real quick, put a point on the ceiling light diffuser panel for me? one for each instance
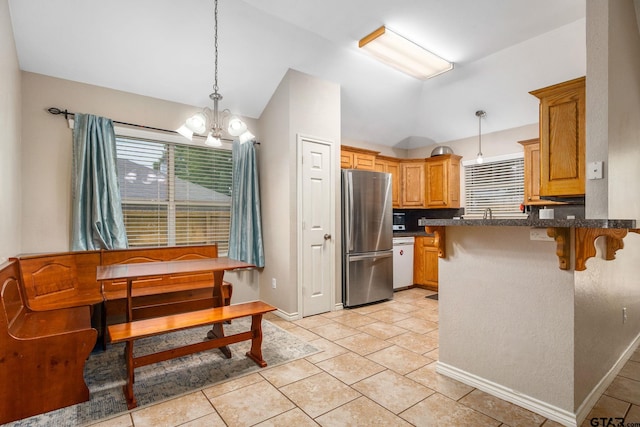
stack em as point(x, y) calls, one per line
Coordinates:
point(403, 54)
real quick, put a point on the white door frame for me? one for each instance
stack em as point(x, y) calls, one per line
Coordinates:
point(332, 208)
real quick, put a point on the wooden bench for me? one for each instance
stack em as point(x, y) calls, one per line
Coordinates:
point(131, 331)
point(42, 354)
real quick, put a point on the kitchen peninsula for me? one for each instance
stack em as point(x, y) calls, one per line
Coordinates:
point(518, 327)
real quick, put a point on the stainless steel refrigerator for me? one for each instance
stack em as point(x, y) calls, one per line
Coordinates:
point(367, 233)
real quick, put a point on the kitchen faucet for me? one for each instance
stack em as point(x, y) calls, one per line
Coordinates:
point(487, 210)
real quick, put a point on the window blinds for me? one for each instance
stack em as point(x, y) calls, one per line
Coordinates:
point(497, 184)
point(174, 194)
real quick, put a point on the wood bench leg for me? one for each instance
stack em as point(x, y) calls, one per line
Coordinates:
point(217, 332)
point(256, 342)
point(128, 387)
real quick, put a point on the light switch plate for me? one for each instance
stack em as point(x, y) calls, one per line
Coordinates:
point(594, 170)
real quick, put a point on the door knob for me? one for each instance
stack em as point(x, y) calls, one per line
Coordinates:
point(327, 236)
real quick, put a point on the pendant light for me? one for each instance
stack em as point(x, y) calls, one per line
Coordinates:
point(212, 120)
point(480, 114)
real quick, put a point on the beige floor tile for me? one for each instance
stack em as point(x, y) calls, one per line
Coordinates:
point(334, 331)
point(434, 334)
point(361, 412)
point(350, 367)
point(415, 342)
point(389, 316)
point(366, 309)
point(334, 314)
point(428, 377)
point(232, 385)
point(290, 372)
point(427, 303)
point(551, 423)
point(633, 416)
point(382, 330)
point(636, 356)
point(403, 307)
point(294, 417)
point(393, 391)
point(319, 394)
point(327, 348)
point(434, 354)
point(312, 322)
point(173, 412)
point(438, 410)
point(362, 343)
point(354, 320)
point(426, 314)
point(625, 389)
point(211, 420)
point(501, 410)
point(631, 370)
point(607, 407)
point(399, 359)
point(243, 407)
point(120, 421)
point(419, 326)
point(304, 334)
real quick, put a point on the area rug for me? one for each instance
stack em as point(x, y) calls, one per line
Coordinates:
point(105, 372)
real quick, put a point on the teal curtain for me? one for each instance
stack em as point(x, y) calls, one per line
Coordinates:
point(98, 222)
point(245, 238)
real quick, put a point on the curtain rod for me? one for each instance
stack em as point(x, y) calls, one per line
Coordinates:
point(57, 111)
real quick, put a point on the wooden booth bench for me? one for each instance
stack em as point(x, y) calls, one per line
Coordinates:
point(42, 353)
point(64, 280)
point(131, 331)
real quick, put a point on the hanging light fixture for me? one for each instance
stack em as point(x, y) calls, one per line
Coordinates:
point(480, 114)
point(212, 120)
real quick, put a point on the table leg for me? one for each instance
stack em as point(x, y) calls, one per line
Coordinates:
point(129, 300)
point(256, 342)
point(128, 387)
point(216, 330)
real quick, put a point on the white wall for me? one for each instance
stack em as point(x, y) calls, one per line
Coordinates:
point(506, 312)
point(46, 156)
point(10, 180)
point(302, 104)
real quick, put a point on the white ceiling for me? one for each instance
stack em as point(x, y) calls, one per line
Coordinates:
point(502, 49)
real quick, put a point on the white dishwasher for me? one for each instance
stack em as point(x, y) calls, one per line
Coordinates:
point(402, 261)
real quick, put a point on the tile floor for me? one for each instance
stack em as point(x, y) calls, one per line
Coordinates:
point(376, 367)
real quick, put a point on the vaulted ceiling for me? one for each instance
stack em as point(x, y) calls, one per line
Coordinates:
point(502, 49)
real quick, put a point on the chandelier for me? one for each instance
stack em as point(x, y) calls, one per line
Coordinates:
point(213, 120)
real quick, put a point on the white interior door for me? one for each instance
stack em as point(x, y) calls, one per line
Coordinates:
point(317, 226)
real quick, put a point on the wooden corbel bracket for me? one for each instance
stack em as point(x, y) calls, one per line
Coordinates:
point(586, 248)
point(439, 242)
point(563, 245)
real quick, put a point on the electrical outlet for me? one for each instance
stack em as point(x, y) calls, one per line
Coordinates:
point(624, 315)
point(273, 282)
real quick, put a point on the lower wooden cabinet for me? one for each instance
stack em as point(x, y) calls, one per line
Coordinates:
point(425, 262)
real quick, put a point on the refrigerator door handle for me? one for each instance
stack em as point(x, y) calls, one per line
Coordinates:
point(373, 255)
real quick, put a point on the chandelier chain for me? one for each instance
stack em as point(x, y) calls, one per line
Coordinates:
point(215, 44)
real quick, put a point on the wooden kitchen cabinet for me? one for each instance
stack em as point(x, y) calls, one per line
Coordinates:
point(357, 158)
point(442, 181)
point(412, 183)
point(562, 138)
point(390, 165)
point(425, 262)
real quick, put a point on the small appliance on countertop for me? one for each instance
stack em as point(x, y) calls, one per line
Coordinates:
point(399, 221)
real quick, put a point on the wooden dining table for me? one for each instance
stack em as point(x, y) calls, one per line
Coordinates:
point(137, 271)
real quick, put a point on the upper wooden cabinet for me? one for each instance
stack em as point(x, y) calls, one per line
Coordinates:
point(443, 181)
point(390, 165)
point(357, 158)
point(562, 138)
point(412, 178)
point(531, 171)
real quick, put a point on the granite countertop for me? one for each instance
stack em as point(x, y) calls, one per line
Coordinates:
point(534, 222)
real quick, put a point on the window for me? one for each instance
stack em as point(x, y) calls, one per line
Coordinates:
point(498, 184)
point(174, 194)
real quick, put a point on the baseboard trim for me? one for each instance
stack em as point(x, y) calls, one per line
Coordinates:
point(287, 316)
point(590, 401)
point(551, 412)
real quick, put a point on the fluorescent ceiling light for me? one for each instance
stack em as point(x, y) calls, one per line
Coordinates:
point(404, 54)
